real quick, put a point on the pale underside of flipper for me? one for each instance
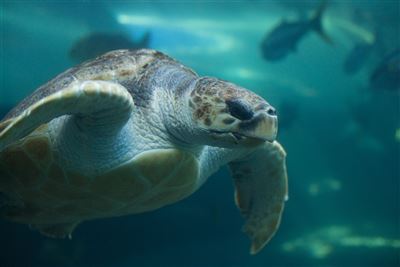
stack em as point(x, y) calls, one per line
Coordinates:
point(261, 190)
point(94, 104)
point(106, 102)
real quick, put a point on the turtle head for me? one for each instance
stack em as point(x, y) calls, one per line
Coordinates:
point(231, 115)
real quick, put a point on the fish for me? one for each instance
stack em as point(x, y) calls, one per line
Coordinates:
point(98, 43)
point(386, 76)
point(283, 39)
point(357, 57)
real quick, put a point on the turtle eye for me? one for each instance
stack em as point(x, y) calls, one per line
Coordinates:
point(239, 109)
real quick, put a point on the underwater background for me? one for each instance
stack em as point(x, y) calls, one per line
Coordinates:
point(338, 104)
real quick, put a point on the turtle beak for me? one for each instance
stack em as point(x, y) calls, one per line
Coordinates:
point(263, 125)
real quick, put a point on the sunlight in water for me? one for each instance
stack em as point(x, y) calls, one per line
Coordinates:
point(198, 23)
point(397, 135)
point(214, 41)
point(324, 185)
point(323, 242)
point(272, 80)
point(354, 29)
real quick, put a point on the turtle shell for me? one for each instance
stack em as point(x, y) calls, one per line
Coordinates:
point(43, 192)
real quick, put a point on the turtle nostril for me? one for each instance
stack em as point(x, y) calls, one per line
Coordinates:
point(271, 111)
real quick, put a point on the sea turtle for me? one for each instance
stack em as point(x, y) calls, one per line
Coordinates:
point(132, 131)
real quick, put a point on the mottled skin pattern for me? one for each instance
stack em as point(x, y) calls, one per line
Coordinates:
point(210, 95)
point(132, 131)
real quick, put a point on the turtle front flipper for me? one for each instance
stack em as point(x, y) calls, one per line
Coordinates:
point(96, 104)
point(4, 124)
point(261, 190)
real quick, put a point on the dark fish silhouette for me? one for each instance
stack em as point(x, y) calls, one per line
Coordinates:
point(357, 57)
point(387, 75)
point(283, 39)
point(96, 44)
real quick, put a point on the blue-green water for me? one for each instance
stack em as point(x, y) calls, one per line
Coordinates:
point(342, 137)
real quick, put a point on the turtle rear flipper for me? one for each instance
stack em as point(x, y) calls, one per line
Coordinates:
point(60, 230)
point(261, 190)
point(96, 104)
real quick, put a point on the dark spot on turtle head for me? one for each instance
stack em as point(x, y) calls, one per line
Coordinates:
point(197, 99)
point(207, 121)
point(145, 65)
point(207, 108)
point(199, 113)
point(218, 100)
point(125, 73)
point(158, 54)
point(228, 121)
point(209, 92)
